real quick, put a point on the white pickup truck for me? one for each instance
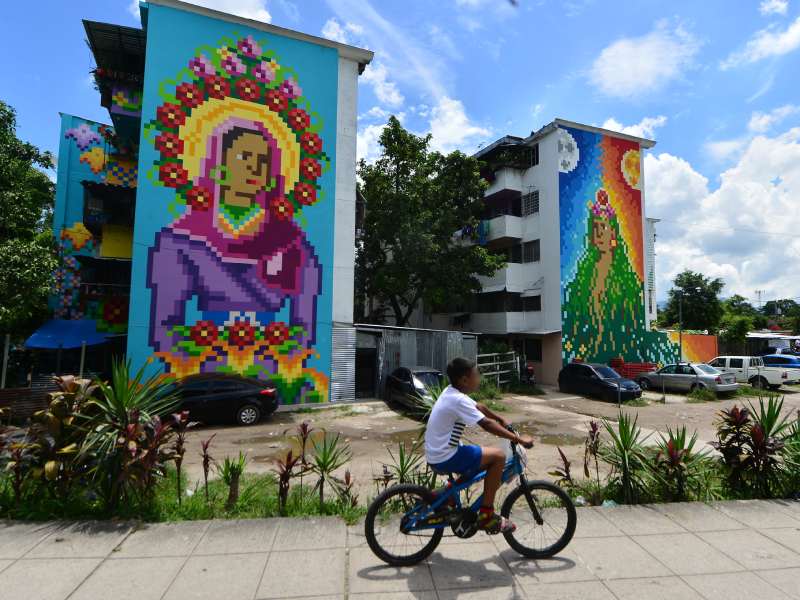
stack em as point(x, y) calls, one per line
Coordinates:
point(751, 369)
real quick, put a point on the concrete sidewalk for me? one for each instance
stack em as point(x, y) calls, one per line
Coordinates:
point(726, 550)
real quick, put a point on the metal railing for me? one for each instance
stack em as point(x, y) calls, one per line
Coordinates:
point(499, 365)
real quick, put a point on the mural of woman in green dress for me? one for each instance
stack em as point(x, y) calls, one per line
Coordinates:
point(603, 314)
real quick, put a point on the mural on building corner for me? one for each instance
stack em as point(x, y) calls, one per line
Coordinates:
point(234, 280)
point(602, 266)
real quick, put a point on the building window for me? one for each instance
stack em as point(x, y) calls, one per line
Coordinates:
point(532, 304)
point(535, 155)
point(531, 251)
point(530, 203)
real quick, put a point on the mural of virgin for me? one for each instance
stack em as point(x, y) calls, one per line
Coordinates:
point(237, 144)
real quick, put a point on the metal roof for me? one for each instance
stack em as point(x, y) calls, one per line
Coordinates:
point(116, 47)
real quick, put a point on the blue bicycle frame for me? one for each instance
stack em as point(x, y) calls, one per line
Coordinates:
point(420, 517)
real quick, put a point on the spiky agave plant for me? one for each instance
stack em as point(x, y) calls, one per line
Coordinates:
point(231, 471)
point(330, 454)
point(624, 453)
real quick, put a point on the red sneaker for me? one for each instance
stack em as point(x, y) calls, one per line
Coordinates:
point(492, 523)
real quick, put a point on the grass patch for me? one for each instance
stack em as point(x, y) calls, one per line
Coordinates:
point(699, 395)
point(524, 389)
point(636, 402)
point(258, 498)
point(496, 406)
point(748, 391)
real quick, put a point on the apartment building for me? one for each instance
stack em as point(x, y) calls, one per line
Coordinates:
point(565, 207)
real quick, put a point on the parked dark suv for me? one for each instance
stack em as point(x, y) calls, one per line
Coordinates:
point(220, 398)
point(597, 380)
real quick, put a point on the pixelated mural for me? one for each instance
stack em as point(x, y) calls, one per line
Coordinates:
point(602, 262)
point(234, 280)
point(697, 347)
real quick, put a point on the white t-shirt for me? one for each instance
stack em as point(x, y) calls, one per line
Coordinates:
point(451, 413)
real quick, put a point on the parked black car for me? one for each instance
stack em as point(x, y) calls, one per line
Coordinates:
point(597, 380)
point(221, 398)
point(412, 381)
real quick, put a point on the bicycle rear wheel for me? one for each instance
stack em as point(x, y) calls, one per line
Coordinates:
point(555, 507)
point(383, 526)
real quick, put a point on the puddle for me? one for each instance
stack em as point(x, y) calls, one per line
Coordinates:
point(408, 437)
point(561, 439)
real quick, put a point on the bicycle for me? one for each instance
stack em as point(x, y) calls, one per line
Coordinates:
point(410, 515)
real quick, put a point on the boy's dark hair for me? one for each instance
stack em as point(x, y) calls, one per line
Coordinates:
point(458, 368)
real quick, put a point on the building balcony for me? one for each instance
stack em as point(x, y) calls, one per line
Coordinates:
point(504, 229)
point(505, 178)
point(497, 323)
point(514, 277)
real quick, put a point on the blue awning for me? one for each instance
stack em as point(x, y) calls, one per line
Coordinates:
point(62, 333)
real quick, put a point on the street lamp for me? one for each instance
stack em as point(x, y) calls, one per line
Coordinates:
point(680, 292)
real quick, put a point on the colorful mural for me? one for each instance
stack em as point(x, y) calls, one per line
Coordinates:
point(234, 281)
point(697, 347)
point(602, 265)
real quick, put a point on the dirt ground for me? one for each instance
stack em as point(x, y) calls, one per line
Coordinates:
point(373, 428)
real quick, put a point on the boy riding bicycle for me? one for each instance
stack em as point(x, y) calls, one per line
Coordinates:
point(451, 414)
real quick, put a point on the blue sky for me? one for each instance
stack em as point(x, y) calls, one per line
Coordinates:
point(711, 81)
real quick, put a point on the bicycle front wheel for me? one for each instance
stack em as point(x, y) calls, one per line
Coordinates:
point(383, 526)
point(558, 519)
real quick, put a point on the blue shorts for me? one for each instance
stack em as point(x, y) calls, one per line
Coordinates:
point(466, 460)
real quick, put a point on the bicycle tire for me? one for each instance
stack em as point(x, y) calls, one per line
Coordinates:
point(562, 541)
point(369, 526)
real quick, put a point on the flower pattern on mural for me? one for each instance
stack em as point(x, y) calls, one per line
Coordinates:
point(240, 147)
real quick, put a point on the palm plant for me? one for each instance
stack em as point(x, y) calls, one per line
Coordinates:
point(330, 454)
point(207, 459)
point(676, 465)
point(625, 454)
point(116, 419)
point(231, 472)
point(405, 463)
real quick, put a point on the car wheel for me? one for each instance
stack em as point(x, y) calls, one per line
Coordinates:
point(249, 414)
point(759, 382)
point(644, 384)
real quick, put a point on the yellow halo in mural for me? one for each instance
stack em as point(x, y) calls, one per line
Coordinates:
point(201, 123)
point(631, 168)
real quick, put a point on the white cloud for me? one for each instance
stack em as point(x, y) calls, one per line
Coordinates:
point(337, 32)
point(766, 43)
point(645, 128)
point(722, 150)
point(451, 129)
point(442, 40)
point(367, 142)
point(249, 9)
point(742, 231)
point(773, 7)
point(635, 66)
point(761, 122)
point(386, 91)
point(376, 112)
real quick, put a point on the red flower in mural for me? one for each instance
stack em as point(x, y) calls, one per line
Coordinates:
point(115, 311)
point(204, 333)
point(169, 144)
point(277, 101)
point(276, 333)
point(299, 119)
point(305, 193)
point(199, 197)
point(248, 90)
point(217, 86)
point(173, 175)
point(281, 208)
point(241, 334)
point(310, 168)
point(189, 95)
point(311, 142)
point(171, 114)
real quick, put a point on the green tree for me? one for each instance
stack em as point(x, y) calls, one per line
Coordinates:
point(416, 199)
point(699, 295)
point(738, 306)
point(26, 247)
point(734, 328)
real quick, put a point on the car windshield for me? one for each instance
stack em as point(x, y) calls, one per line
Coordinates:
point(708, 369)
point(607, 372)
point(429, 379)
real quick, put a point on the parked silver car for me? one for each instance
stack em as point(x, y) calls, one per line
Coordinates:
point(686, 377)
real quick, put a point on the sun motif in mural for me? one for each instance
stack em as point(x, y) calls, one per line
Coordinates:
point(242, 150)
point(631, 168)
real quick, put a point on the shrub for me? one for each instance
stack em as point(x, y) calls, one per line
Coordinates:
point(676, 465)
point(330, 454)
point(701, 394)
point(625, 455)
point(231, 472)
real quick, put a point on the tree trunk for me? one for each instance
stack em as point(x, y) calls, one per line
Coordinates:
point(233, 492)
